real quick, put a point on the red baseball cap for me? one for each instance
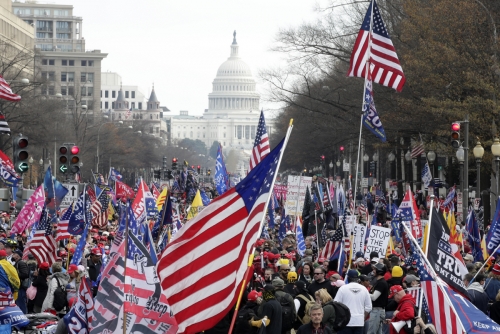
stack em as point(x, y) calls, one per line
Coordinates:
point(72, 268)
point(3, 252)
point(96, 251)
point(44, 265)
point(253, 295)
point(395, 289)
point(321, 260)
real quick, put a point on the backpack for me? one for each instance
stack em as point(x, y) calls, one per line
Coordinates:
point(241, 324)
point(342, 316)
point(287, 314)
point(60, 297)
point(309, 302)
point(410, 329)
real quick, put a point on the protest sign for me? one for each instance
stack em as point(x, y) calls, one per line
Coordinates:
point(295, 185)
point(378, 241)
point(359, 238)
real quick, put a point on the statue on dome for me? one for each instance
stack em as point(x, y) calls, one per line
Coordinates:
point(234, 37)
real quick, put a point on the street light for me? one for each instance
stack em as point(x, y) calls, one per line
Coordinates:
point(30, 160)
point(431, 157)
point(409, 173)
point(478, 152)
point(495, 149)
point(41, 169)
point(391, 158)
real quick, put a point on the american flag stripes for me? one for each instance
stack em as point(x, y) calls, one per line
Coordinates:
point(333, 244)
point(4, 126)
point(6, 92)
point(43, 246)
point(261, 144)
point(417, 150)
point(236, 218)
point(62, 225)
point(377, 49)
point(100, 211)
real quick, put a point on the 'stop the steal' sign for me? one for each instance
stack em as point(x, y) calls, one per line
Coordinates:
point(378, 241)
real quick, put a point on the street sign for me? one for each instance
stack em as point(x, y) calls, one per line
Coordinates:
point(63, 168)
point(23, 167)
point(345, 167)
point(72, 195)
point(364, 182)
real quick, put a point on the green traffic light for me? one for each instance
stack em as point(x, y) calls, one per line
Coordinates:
point(23, 167)
point(63, 168)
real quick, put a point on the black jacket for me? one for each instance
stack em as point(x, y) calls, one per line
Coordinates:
point(317, 286)
point(22, 270)
point(308, 329)
point(94, 269)
point(272, 309)
point(478, 298)
point(40, 283)
point(495, 312)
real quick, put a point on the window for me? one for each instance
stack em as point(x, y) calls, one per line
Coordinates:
point(71, 76)
point(45, 61)
point(113, 94)
point(178, 135)
point(120, 116)
point(52, 62)
point(106, 104)
point(63, 36)
point(52, 90)
point(247, 131)
point(64, 91)
point(87, 91)
point(61, 12)
point(252, 132)
point(84, 77)
point(133, 94)
point(224, 135)
point(151, 129)
point(84, 63)
point(64, 62)
point(239, 131)
point(106, 93)
point(90, 63)
point(112, 105)
point(42, 11)
point(132, 105)
point(139, 105)
point(71, 63)
point(71, 90)
point(64, 76)
point(126, 94)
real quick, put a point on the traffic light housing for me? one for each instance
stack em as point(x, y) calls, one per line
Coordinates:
point(199, 169)
point(21, 154)
point(209, 171)
point(174, 163)
point(157, 174)
point(455, 135)
point(63, 158)
point(74, 158)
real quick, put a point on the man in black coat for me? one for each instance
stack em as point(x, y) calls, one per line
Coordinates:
point(315, 325)
point(94, 267)
point(24, 273)
point(476, 292)
point(320, 282)
point(271, 312)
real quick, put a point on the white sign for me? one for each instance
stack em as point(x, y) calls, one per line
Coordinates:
point(349, 223)
point(359, 238)
point(345, 167)
point(72, 195)
point(378, 241)
point(459, 207)
point(364, 182)
point(296, 184)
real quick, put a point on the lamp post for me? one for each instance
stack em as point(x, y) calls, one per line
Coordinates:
point(460, 157)
point(365, 159)
point(391, 158)
point(478, 152)
point(338, 167)
point(331, 167)
point(431, 157)
point(30, 160)
point(409, 173)
point(495, 149)
point(41, 170)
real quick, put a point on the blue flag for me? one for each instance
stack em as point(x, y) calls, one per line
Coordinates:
point(493, 236)
point(474, 237)
point(282, 231)
point(164, 218)
point(221, 179)
point(204, 197)
point(370, 116)
point(426, 175)
point(148, 242)
point(264, 234)
point(80, 216)
point(77, 256)
point(301, 245)
point(270, 210)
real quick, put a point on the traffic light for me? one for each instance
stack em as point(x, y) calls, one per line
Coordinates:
point(455, 135)
point(74, 161)
point(21, 154)
point(199, 169)
point(209, 172)
point(322, 160)
point(174, 163)
point(164, 163)
point(157, 174)
point(341, 149)
point(192, 167)
point(169, 175)
point(63, 159)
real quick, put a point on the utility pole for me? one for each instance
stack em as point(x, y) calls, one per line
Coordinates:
point(465, 195)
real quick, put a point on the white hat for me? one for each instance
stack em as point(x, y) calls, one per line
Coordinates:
point(375, 259)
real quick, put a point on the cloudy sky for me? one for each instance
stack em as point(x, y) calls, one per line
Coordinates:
point(179, 45)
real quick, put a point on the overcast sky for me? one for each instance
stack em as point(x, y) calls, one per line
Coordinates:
point(179, 45)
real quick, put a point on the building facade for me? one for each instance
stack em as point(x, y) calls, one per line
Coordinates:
point(233, 109)
point(111, 83)
point(70, 71)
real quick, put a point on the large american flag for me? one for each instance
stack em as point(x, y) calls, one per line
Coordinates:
point(234, 217)
point(379, 51)
point(261, 144)
point(6, 92)
point(62, 225)
point(100, 211)
point(333, 245)
point(43, 246)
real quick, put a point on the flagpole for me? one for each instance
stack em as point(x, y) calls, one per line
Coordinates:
point(251, 256)
point(433, 274)
point(357, 161)
point(426, 246)
point(125, 266)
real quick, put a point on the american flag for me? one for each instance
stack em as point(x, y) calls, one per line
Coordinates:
point(333, 244)
point(4, 126)
point(417, 150)
point(62, 225)
point(350, 199)
point(444, 318)
point(43, 246)
point(236, 218)
point(379, 51)
point(6, 92)
point(261, 144)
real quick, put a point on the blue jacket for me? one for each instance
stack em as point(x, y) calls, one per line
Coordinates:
point(492, 288)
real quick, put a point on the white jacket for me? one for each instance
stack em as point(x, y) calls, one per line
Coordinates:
point(357, 299)
point(49, 299)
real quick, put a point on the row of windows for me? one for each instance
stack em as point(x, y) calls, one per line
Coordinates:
point(40, 11)
point(233, 88)
point(70, 76)
point(132, 105)
point(114, 93)
point(17, 36)
point(67, 62)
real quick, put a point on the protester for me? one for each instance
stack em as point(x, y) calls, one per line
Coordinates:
point(302, 298)
point(495, 309)
point(315, 325)
point(74, 281)
point(325, 300)
point(357, 299)
point(287, 306)
point(320, 282)
point(57, 279)
point(9, 276)
point(405, 310)
point(378, 294)
point(290, 285)
point(476, 292)
point(307, 273)
point(492, 284)
point(24, 277)
point(271, 312)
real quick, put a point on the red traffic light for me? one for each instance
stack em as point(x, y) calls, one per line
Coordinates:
point(455, 126)
point(75, 150)
point(22, 143)
point(322, 157)
point(192, 167)
point(174, 159)
point(63, 150)
point(341, 148)
point(199, 167)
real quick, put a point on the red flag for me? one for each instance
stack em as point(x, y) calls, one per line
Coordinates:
point(122, 190)
point(6, 93)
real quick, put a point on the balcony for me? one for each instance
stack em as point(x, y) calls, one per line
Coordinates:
point(51, 16)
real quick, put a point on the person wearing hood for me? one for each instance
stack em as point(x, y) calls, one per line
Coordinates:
point(302, 297)
point(405, 310)
point(247, 313)
point(397, 276)
point(476, 292)
point(290, 283)
point(57, 278)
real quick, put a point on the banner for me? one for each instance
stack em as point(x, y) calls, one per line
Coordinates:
point(378, 240)
point(359, 238)
point(80, 315)
point(280, 190)
point(31, 211)
point(292, 195)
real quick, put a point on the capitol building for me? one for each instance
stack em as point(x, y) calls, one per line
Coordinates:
point(233, 110)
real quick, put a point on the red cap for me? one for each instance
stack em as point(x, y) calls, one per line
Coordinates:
point(44, 265)
point(253, 295)
point(3, 252)
point(58, 259)
point(63, 253)
point(72, 250)
point(94, 230)
point(96, 251)
point(72, 268)
point(321, 260)
point(395, 289)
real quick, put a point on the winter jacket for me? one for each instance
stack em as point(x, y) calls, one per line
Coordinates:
point(478, 297)
point(495, 312)
point(40, 283)
point(94, 269)
point(492, 286)
point(406, 311)
point(272, 309)
point(328, 315)
point(22, 270)
point(52, 283)
point(278, 294)
point(309, 329)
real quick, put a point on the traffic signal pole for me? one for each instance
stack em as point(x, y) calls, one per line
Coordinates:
point(465, 194)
